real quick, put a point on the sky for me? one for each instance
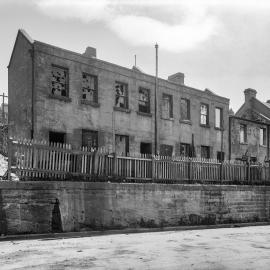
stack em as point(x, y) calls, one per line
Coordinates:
point(220, 45)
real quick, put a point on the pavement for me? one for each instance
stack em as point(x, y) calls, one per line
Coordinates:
point(212, 249)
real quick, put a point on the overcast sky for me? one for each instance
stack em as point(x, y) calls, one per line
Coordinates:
point(220, 45)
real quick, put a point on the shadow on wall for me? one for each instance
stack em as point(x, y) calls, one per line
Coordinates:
point(3, 217)
point(56, 218)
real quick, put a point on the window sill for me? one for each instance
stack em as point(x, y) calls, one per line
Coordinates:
point(187, 122)
point(121, 109)
point(221, 129)
point(168, 119)
point(243, 143)
point(205, 126)
point(62, 98)
point(262, 145)
point(91, 103)
point(144, 114)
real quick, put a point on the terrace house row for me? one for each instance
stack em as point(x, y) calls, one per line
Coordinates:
point(63, 96)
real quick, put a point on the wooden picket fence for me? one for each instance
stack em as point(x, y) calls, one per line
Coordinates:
point(33, 160)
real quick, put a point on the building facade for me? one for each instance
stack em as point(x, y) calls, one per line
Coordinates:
point(249, 129)
point(63, 96)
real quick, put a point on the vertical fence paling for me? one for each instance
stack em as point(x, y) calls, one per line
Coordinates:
point(43, 160)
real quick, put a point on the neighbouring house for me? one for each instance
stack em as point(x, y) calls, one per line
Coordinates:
point(68, 97)
point(249, 129)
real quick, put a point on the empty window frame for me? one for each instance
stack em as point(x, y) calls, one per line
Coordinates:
point(90, 139)
point(204, 111)
point(243, 133)
point(166, 150)
point(121, 95)
point(144, 100)
point(89, 88)
point(218, 117)
point(59, 81)
point(121, 144)
point(167, 106)
point(57, 137)
point(205, 151)
point(263, 140)
point(185, 149)
point(184, 109)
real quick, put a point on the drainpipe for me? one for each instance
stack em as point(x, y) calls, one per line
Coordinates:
point(268, 137)
point(230, 134)
point(33, 89)
point(156, 89)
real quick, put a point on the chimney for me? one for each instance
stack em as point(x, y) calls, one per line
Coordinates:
point(177, 78)
point(90, 52)
point(250, 93)
point(268, 101)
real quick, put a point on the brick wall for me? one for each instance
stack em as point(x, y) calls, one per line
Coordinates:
point(35, 207)
point(71, 116)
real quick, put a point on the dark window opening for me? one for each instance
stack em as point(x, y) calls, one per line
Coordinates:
point(166, 150)
point(89, 87)
point(57, 137)
point(185, 150)
point(121, 95)
point(220, 156)
point(90, 139)
point(144, 100)
point(184, 109)
point(146, 148)
point(167, 106)
point(121, 144)
point(59, 81)
point(205, 151)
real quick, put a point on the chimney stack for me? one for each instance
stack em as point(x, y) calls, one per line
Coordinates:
point(250, 93)
point(90, 52)
point(177, 78)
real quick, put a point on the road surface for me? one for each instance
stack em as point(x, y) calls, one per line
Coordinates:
point(211, 249)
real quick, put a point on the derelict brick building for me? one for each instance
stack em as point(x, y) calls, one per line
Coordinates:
point(63, 96)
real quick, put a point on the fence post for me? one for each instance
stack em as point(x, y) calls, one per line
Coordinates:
point(114, 164)
point(190, 169)
point(153, 168)
point(9, 158)
point(221, 171)
point(248, 172)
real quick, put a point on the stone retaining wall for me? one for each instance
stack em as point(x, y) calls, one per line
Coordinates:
point(40, 207)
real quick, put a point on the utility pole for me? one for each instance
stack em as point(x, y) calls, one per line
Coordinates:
point(156, 99)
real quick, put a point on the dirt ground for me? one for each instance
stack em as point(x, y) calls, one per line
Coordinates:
point(217, 249)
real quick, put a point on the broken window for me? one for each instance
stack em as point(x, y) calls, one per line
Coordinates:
point(166, 150)
point(184, 109)
point(121, 144)
point(59, 81)
point(185, 150)
point(89, 88)
point(121, 95)
point(144, 100)
point(262, 136)
point(243, 133)
point(167, 107)
point(90, 139)
point(204, 114)
point(219, 118)
point(205, 151)
point(57, 137)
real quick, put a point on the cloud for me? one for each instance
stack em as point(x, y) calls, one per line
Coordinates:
point(176, 25)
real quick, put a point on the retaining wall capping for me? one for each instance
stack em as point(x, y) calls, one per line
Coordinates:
point(43, 207)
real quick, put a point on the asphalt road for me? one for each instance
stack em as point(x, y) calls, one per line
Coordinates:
point(217, 249)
